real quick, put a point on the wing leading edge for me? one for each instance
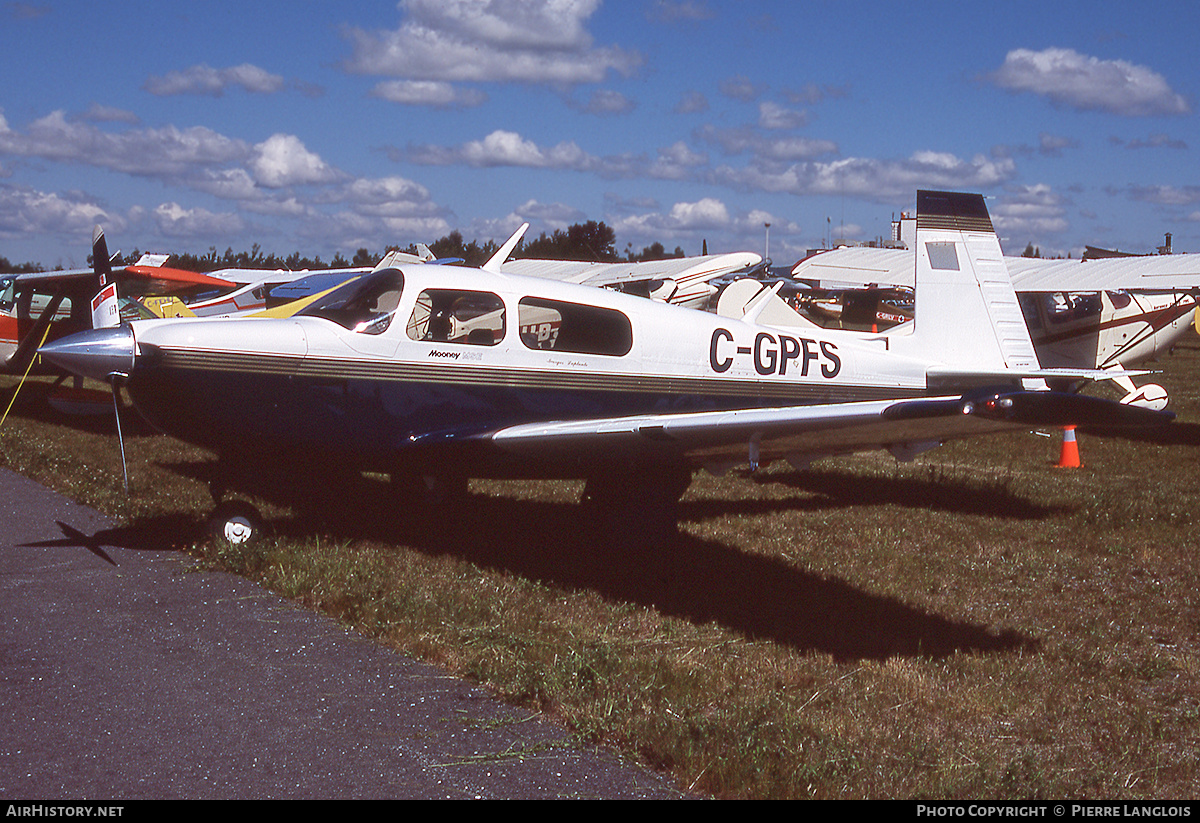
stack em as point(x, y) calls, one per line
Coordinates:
point(719, 439)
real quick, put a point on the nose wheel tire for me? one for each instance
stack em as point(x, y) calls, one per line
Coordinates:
point(236, 522)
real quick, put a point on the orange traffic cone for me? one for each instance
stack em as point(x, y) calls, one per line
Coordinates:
point(1070, 450)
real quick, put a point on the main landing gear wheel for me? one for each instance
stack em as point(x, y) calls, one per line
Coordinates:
point(236, 522)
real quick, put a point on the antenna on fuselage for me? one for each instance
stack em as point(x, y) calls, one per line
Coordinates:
point(496, 260)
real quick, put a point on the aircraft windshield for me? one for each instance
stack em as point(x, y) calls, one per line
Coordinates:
point(365, 305)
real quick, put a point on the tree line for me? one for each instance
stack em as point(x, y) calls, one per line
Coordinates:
point(590, 241)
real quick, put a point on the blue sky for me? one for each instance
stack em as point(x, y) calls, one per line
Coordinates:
point(326, 127)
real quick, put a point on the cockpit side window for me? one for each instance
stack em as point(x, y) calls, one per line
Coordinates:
point(1063, 308)
point(573, 327)
point(365, 305)
point(474, 318)
point(8, 297)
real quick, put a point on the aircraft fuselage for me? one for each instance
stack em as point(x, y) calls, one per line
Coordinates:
point(440, 362)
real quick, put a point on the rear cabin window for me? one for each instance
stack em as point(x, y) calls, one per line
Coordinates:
point(365, 305)
point(572, 327)
point(474, 318)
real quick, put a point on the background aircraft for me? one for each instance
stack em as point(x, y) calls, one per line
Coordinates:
point(684, 281)
point(551, 379)
point(1109, 313)
point(42, 306)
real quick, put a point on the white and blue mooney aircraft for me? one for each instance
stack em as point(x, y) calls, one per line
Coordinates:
point(440, 374)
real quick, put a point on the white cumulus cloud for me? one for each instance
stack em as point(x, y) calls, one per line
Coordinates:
point(282, 160)
point(202, 79)
point(1076, 80)
point(544, 42)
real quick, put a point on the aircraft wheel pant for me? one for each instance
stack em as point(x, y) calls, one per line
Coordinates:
point(236, 522)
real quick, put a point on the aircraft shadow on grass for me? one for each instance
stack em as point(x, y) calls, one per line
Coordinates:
point(1179, 433)
point(695, 579)
point(691, 578)
point(834, 489)
point(163, 533)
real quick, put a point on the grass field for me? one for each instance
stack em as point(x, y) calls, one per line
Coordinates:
point(976, 624)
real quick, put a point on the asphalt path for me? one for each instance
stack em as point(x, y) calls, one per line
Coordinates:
point(127, 674)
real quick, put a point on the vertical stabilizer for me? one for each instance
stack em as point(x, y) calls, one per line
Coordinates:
point(106, 311)
point(967, 315)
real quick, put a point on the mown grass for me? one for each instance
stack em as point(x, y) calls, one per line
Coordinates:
point(976, 624)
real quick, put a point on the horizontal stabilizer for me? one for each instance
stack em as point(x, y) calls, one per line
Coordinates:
point(954, 377)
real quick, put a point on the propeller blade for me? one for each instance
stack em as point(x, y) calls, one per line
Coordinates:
point(120, 436)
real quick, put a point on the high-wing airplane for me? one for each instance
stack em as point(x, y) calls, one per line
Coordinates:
point(436, 374)
point(41, 306)
point(684, 281)
point(1111, 313)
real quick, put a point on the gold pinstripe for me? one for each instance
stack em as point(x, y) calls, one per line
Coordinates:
point(562, 380)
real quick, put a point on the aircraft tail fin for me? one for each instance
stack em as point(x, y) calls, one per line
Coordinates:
point(967, 314)
point(106, 311)
point(101, 262)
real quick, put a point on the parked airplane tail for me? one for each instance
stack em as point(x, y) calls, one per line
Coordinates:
point(963, 289)
point(106, 311)
point(967, 318)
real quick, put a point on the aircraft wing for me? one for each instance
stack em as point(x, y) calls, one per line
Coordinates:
point(276, 277)
point(158, 278)
point(855, 267)
point(164, 279)
point(903, 426)
point(45, 279)
point(1160, 272)
point(608, 274)
point(293, 305)
point(309, 284)
point(858, 267)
